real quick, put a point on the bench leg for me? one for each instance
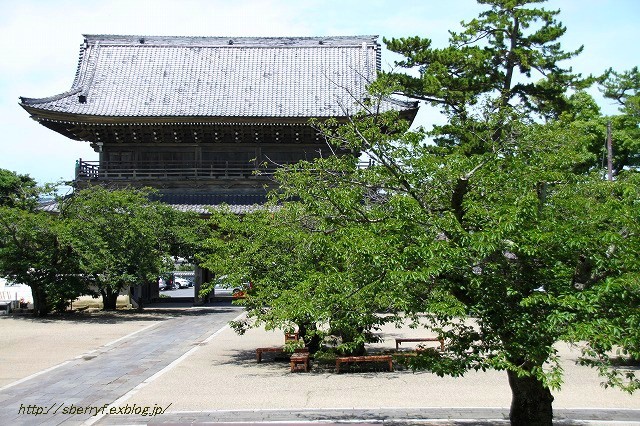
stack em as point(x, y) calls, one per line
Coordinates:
point(258, 356)
point(297, 364)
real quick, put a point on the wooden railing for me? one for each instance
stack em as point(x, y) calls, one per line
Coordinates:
point(90, 170)
point(87, 170)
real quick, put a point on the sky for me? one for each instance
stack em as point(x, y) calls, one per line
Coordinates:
point(40, 40)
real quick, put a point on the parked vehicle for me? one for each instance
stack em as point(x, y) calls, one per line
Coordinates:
point(223, 288)
point(181, 282)
point(165, 285)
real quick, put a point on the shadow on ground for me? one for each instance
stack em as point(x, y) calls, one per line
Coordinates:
point(154, 312)
point(274, 363)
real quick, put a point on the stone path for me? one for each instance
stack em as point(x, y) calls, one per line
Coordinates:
point(77, 391)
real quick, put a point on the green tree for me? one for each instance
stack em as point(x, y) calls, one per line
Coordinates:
point(286, 254)
point(18, 190)
point(507, 58)
point(506, 252)
point(121, 238)
point(476, 84)
point(624, 88)
point(585, 119)
point(32, 251)
point(503, 238)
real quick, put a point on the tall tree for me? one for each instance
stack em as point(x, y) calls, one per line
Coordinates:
point(624, 89)
point(508, 58)
point(502, 238)
point(505, 253)
point(120, 236)
point(32, 251)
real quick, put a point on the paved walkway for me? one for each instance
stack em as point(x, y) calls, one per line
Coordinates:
point(102, 377)
point(388, 416)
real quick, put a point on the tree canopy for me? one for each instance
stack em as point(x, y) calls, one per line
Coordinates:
point(306, 274)
point(120, 236)
point(31, 250)
point(17, 190)
point(624, 89)
point(97, 239)
point(508, 58)
point(502, 237)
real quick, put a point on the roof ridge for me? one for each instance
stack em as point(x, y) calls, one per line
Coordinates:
point(230, 41)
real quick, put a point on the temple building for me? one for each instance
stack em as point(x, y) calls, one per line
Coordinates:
point(196, 117)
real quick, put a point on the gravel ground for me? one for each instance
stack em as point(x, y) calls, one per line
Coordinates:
point(29, 345)
point(222, 374)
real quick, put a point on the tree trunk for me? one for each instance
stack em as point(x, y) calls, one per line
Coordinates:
point(531, 403)
point(40, 303)
point(313, 342)
point(109, 299)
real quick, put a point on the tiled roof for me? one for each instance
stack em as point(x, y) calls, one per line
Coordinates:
point(204, 203)
point(210, 198)
point(133, 76)
point(197, 203)
point(205, 209)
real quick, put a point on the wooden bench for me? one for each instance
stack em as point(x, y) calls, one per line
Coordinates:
point(420, 339)
point(259, 351)
point(299, 361)
point(364, 358)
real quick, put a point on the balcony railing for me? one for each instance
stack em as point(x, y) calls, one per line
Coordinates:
point(91, 170)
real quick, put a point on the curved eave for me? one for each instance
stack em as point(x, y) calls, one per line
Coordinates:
point(39, 114)
point(35, 101)
point(45, 115)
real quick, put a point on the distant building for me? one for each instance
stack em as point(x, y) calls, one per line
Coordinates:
point(195, 117)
